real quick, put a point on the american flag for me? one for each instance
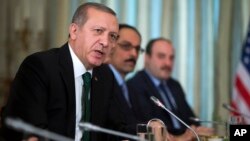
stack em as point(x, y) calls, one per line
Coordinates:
point(241, 90)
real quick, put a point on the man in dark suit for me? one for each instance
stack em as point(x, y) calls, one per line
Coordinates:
point(122, 61)
point(155, 80)
point(48, 88)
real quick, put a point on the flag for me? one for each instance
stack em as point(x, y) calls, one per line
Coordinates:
point(241, 89)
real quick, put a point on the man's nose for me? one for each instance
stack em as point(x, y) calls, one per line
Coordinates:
point(134, 52)
point(104, 40)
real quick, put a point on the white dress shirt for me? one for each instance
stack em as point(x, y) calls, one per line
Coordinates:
point(79, 70)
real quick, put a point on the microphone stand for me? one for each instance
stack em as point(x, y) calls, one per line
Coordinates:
point(231, 109)
point(158, 103)
point(22, 126)
point(225, 124)
point(91, 127)
point(207, 121)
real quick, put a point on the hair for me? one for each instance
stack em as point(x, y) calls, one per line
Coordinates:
point(81, 14)
point(121, 26)
point(151, 43)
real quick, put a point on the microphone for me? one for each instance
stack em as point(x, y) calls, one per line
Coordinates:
point(90, 127)
point(19, 125)
point(195, 119)
point(231, 109)
point(158, 103)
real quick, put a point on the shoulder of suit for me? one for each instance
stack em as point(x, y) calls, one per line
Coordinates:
point(46, 56)
point(174, 82)
point(103, 67)
point(46, 53)
point(103, 71)
point(138, 79)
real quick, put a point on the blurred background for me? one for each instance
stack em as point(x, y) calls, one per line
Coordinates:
point(208, 36)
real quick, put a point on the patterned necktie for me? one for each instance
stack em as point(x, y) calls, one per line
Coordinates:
point(86, 103)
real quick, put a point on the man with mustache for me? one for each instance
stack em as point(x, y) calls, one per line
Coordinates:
point(62, 87)
point(155, 80)
point(122, 60)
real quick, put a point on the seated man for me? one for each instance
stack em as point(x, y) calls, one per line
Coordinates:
point(155, 80)
point(58, 89)
point(122, 60)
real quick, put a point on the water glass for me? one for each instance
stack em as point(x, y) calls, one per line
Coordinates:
point(141, 130)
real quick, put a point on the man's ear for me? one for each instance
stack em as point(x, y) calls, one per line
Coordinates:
point(73, 28)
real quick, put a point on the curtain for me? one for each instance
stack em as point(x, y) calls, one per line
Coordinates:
point(207, 36)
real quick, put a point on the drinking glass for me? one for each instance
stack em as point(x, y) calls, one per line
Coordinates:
point(141, 130)
point(235, 120)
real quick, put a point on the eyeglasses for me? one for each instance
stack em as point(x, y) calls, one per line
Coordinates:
point(128, 47)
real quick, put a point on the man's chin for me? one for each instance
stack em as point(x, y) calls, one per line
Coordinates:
point(164, 77)
point(128, 68)
point(96, 63)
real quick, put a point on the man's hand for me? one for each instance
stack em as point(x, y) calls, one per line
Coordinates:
point(187, 136)
point(203, 131)
point(32, 139)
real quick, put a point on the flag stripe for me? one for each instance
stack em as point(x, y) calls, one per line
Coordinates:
point(242, 91)
point(244, 76)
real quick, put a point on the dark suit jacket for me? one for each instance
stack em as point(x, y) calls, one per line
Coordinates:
point(43, 94)
point(142, 87)
point(128, 113)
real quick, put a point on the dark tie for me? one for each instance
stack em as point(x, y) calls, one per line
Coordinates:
point(166, 97)
point(86, 103)
point(125, 93)
point(168, 102)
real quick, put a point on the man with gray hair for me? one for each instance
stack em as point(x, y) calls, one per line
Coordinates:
point(62, 87)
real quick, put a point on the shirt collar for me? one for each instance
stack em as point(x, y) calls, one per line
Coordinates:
point(117, 75)
point(79, 68)
point(155, 80)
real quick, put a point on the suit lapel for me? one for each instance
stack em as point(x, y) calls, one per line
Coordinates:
point(174, 92)
point(67, 74)
point(151, 88)
point(119, 94)
point(98, 98)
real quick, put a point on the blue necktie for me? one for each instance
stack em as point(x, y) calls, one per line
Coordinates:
point(86, 103)
point(169, 104)
point(125, 93)
point(166, 97)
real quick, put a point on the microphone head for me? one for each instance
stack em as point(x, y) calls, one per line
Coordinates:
point(195, 119)
point(88, 126)
point(156, 101)
point(225, 105)
point(228, 107)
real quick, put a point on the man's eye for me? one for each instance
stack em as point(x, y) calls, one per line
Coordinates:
point(161, 56)
point(114, 37)
point(126, 46)
point(98, 31)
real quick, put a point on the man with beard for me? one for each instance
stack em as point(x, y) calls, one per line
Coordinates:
point(155, 80)
point(122, 60)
